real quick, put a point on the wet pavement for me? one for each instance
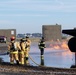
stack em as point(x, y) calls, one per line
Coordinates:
point(56, 62)
point(52, 58)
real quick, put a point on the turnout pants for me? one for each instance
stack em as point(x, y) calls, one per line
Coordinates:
point(14, 56)
point(26, 53)
point(21, 57)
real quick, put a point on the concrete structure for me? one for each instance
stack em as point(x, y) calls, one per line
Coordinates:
point(8, 33)
point(51, 32)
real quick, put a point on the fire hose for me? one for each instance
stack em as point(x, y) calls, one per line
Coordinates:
point(34, 61)
point(3, 54)
point(29, 57)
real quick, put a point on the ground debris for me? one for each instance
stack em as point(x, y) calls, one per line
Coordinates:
point(7, 69)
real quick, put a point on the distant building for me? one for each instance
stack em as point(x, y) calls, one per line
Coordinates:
point(28, 34)
point(20, 35)
point(36, 35)
point(51, 32)
point(8, 33)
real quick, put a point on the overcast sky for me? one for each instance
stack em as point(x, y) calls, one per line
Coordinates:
point(28, 16)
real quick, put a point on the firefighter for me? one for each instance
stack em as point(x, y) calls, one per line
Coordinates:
point(41, 46)
point(13, 48)
point(21, 52)
point(27, 49)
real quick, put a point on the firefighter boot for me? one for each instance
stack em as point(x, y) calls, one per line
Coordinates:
point(27, 63)
point(17, 62)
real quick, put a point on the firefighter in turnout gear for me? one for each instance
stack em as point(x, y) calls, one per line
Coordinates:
point(21, 52)
point(27, 49)
point(13, 48)
point(41, 46)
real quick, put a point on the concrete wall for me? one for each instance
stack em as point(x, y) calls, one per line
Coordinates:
point(8, 33)
point(51, 32)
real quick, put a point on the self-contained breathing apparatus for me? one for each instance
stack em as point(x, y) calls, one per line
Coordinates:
point(13, 47)
point(23, 40)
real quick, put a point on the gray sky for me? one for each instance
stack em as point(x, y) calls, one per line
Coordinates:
point(28, 16)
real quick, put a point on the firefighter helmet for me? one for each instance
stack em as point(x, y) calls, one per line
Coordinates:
point(22, 40)
point(27, 36)
point(12, 38)
point(42, 37)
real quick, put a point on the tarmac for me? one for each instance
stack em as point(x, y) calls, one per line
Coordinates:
point(7, 69)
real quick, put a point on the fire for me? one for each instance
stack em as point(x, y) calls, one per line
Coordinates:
point(64, 45)
point(58, 45)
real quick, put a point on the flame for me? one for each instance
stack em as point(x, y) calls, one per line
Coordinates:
point(64, 45)
point(58, 45)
